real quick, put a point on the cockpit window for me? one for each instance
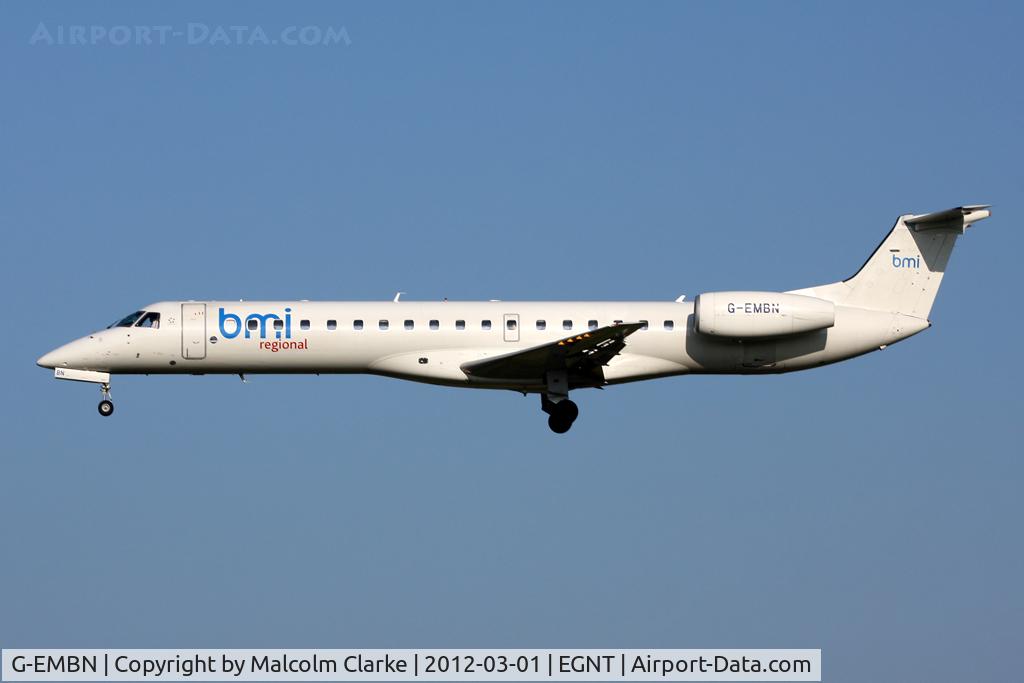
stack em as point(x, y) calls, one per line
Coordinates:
point(151, 320)
point(128, 320)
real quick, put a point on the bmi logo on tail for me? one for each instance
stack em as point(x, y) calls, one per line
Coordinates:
point(906, 261)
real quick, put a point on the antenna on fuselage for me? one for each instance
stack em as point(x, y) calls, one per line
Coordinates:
point(398, 296)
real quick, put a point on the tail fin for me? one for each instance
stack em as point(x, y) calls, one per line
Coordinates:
point(904, 273)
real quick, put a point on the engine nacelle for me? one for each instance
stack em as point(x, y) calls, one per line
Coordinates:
point(749, 315)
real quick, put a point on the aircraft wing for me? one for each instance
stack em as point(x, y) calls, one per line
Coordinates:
point(581, 355)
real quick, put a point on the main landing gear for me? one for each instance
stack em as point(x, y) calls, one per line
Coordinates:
point(106, 406)
point(561, 415)
point(555, 402)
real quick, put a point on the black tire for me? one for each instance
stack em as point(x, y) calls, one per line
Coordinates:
point(567, 410)
point(106, 408)
point(558, 425)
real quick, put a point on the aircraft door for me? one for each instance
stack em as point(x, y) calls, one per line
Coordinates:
point(510, 327)
point(193, 331)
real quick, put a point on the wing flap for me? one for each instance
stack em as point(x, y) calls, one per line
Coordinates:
point(579, 354)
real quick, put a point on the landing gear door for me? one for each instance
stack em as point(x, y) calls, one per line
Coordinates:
point(193, 331)
point(510, 327)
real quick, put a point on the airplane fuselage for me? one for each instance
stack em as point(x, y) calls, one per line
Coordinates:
point(430, 341)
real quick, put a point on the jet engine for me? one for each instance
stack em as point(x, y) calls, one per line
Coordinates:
point(749, 315)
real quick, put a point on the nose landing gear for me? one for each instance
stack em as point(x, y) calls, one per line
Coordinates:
point(106, 406)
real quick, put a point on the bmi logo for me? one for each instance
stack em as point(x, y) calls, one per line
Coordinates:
point(254, 322)
point(260, 322)
point(906, 261)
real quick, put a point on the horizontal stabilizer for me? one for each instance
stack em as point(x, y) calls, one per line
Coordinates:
point(956, 219)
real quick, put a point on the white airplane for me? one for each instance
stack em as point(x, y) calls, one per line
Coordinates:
point(546, 348)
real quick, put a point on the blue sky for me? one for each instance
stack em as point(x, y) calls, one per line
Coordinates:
point(484, 150)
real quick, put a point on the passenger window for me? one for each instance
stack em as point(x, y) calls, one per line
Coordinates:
point(278, 324)
point(382, 324)
point(592, 324)
point(460, 324)
point(510, 324)
point(332, 324)
point(252, 324)
point(643, 325)
point(357, 324)
point(409, 324)
point(151, 320)
point(303, 324)
point(566, 324)
point(669, 325)
point(485, 324)
point(434, 324)
point(542, 324)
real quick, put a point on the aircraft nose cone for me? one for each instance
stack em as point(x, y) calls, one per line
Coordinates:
point(47, 360)
point(80, 354)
